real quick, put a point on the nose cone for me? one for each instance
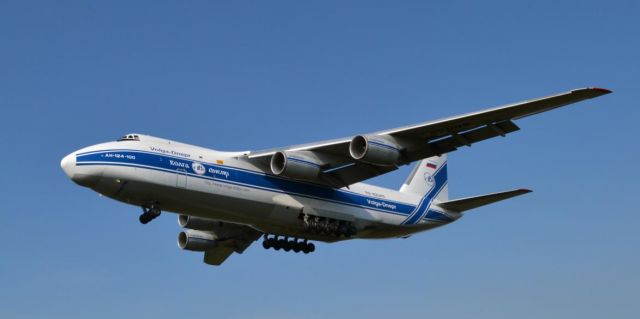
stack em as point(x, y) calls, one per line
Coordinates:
point(83, 177)
point(68, 164)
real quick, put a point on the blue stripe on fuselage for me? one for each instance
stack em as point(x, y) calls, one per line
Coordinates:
point(440, 180)
point(241, 177)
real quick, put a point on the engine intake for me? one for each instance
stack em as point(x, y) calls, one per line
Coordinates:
point(296, 165)
point(374, 150)
point(196, 240)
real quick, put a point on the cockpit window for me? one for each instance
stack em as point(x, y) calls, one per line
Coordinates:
point(129, 137)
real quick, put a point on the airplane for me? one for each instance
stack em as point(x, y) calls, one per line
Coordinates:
point(293, 195)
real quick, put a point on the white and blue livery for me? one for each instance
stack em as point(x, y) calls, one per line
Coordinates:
point(293, 195)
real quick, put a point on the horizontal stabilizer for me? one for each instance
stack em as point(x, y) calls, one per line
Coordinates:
point(464, 204)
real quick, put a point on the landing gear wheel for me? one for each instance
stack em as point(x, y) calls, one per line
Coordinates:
point(149, 213)
point(144, 219)
point(297, 247)
point(287, 244)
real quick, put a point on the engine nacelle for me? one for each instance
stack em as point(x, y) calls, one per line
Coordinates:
point(196, 240)
point(296, 165)
point(376, 150)
point(198, 223)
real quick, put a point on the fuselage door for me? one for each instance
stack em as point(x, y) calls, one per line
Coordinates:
point(181, 178)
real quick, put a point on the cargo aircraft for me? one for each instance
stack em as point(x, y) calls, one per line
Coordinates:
point(293, 195)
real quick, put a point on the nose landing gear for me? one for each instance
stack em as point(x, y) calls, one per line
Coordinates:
point(149, 213)
point(288, 245)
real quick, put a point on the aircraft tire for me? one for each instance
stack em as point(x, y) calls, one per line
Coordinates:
point(144, 219)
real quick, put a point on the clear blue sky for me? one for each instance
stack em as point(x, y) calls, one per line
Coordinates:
point(236, 75)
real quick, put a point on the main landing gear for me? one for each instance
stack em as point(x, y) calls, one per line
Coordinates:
point(149, 213)
point(328, 226)
point(288, 245)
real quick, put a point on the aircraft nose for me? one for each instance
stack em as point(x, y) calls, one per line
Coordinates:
point(83, 177)
point(68, 164)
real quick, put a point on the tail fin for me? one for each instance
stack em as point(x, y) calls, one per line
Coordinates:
point(428, 174)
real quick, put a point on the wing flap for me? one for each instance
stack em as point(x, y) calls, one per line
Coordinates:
point(231, 238)
point(464, 204)
point(456, 140)
point(217, 256)
point(435, 129)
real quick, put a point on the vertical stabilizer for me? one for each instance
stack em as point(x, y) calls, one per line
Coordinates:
point(422, 179)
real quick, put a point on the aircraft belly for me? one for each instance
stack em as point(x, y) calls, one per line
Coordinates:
point(266, 210)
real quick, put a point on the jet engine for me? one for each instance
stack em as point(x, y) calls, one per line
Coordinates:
point(375, 150)
point(196, 240)
point(296, 165)
point(197, 223)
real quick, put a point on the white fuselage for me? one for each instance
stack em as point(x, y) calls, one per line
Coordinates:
point(201, 182)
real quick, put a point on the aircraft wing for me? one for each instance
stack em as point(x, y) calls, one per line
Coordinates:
point(235, 239)
point(339, 163)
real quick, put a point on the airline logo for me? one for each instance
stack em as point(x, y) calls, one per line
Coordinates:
point(198, 168)
point(429, 179)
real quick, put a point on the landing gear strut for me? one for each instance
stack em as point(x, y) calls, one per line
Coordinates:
point(149, 213)
point(288, 245)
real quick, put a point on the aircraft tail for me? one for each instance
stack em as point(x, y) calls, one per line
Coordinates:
point(429, 181)
point(429, 174)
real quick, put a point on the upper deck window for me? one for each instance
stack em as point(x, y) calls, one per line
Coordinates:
point(129, 137)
